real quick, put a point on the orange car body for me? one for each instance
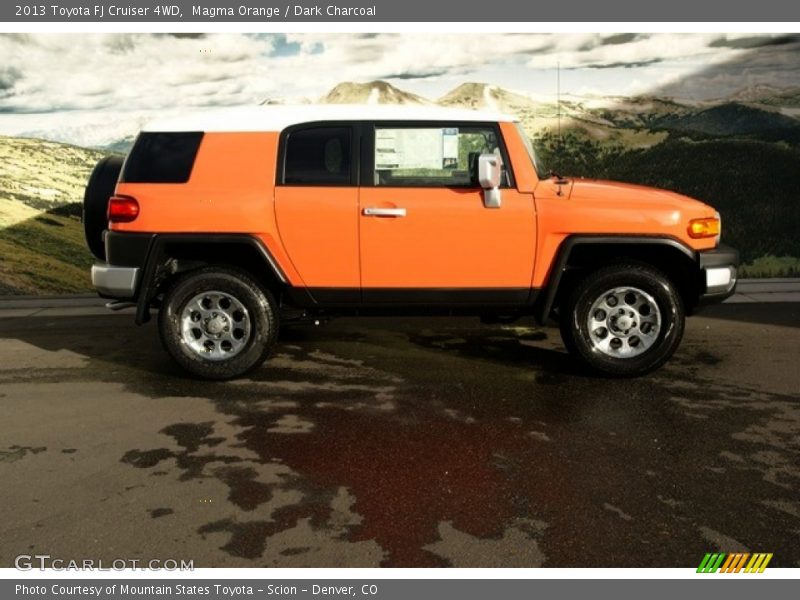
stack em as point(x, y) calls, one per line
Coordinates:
point(321, 238)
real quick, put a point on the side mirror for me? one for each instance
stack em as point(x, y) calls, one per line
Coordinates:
point(490, 174)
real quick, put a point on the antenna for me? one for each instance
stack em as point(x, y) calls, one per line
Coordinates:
point(558, 96)
point(560, 144)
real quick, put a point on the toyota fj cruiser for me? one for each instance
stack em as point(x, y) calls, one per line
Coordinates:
point(227, 220)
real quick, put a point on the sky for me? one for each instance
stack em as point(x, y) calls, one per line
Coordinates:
point(93, 89)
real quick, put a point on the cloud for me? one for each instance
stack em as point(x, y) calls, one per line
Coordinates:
point(622, 65)
point(418, 75)
point(8, 77)
point(283, 47)
point(587, 50)
point(369, 57)
point(81, 79)
point(620, 38)
point(69, 72)
point(755, 41)
point(189, 36)
point(770, 64)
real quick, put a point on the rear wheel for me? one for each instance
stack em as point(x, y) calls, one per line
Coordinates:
point(101, 186)
point(218, 323)
point(623, 320)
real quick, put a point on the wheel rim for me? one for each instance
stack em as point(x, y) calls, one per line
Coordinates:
point(215, 325)
point(623, 322)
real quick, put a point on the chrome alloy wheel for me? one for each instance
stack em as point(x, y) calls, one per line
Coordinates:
point(623, 322)
point(215, 325)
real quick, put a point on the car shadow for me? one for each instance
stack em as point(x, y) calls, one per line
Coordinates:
point(113, 341)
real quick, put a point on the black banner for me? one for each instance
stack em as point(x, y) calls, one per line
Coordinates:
point(733, 588)
point(464, 11)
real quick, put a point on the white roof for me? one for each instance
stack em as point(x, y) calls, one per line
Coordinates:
point(278, 117)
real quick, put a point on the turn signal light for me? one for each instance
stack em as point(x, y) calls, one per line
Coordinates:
point(122, 209)
point(704, 228)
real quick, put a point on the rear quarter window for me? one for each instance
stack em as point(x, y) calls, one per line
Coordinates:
point(162, 157)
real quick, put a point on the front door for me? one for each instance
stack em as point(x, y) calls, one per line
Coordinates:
point(425, 235)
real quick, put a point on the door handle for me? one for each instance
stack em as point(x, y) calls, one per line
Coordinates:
point(384, 212)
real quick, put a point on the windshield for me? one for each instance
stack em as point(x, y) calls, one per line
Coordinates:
point(540, 170)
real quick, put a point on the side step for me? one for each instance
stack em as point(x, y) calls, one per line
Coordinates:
point(120, 305)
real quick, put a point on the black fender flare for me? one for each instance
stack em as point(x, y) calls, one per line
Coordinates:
point(156, 256)
point(546, 300)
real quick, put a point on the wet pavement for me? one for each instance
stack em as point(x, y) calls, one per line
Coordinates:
point(401, 442)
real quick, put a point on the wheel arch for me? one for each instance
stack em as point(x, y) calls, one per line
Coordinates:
point(579, 254)
point(171, 254)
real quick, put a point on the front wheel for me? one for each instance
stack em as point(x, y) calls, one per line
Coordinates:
point(623, 320)
point(218, 323)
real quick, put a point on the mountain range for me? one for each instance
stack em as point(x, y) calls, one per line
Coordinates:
point(637, 121)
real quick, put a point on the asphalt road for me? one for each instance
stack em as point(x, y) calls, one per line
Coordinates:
point(401, 442)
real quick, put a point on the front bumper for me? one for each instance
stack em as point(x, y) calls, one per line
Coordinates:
point(115, 282)
point(719, 274)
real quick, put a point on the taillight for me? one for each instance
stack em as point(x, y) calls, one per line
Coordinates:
point(122, 209)
point(704, 228)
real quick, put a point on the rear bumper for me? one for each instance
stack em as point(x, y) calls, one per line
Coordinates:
point(126, 254)
point(719, 274)
point(115, 282)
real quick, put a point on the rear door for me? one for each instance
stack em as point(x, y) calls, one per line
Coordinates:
point(316, 207)
point(425, 235)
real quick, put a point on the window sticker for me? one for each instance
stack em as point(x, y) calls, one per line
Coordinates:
point(415, 148)
point(450, 148)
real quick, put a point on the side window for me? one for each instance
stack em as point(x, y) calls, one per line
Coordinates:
point(158, 157)
point(318, 156)
point(431, 156)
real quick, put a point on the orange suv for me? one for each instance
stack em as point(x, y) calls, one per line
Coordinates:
point(229, 219)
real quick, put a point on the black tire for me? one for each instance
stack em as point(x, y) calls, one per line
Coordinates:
point(583, 344)
point(99, 189)
point(262, 319)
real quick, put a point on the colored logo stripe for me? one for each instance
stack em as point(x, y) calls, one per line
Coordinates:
point(711, 563)
point(734, 563)
point(758, 563)
point(742, 561)
point(727, 564)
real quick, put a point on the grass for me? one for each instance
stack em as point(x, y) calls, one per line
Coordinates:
point(771, 266)
point(45, 254)
point(41, 235)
